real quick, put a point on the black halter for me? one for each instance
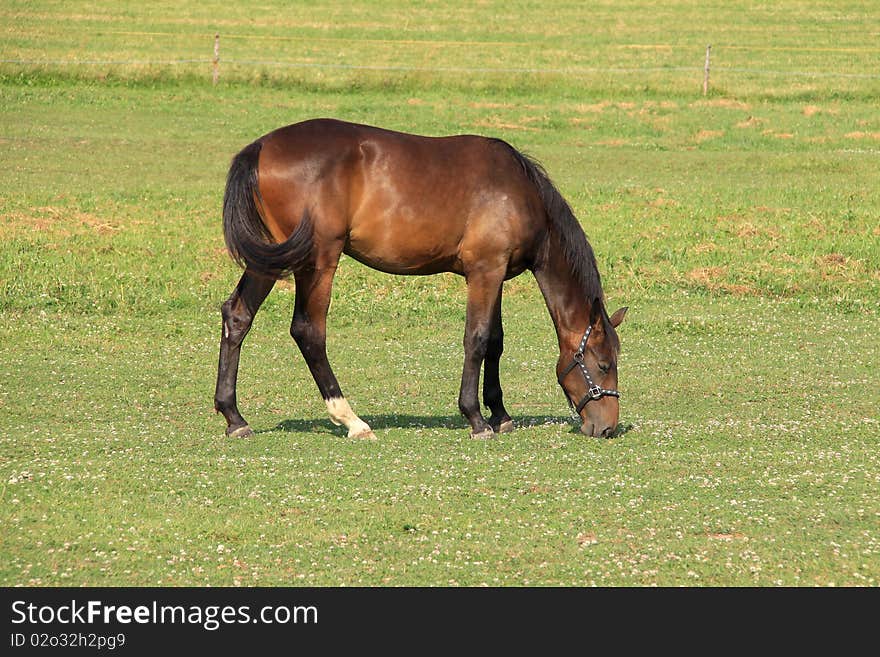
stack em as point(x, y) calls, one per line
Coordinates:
point(593, 391)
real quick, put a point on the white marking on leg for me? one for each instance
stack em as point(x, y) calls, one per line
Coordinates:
point(341, 413)
point(226, 329)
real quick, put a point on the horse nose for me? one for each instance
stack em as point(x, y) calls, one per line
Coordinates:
point(596, 431)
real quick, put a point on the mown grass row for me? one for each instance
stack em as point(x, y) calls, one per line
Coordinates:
point(789, 49)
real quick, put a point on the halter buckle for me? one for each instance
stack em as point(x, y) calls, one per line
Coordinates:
point(578, 357)
point(595, 392)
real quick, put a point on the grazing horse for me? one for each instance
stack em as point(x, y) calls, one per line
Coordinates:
point(300, 196)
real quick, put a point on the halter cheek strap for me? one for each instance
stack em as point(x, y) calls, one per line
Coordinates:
point(593, 391)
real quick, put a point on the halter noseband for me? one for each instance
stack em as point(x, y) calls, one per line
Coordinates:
point(593, 391)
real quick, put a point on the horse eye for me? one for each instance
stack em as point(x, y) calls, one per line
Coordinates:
point(604, 367)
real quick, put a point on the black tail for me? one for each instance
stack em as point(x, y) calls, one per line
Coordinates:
point(569, 233)
point(248, 240)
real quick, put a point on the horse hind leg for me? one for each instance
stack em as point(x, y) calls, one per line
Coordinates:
point(493, 397)
point(238, 314)
point(341, 414)
point(309, 331)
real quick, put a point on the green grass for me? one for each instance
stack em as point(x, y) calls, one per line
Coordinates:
point(741, 229)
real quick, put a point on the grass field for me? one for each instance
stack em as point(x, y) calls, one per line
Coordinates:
point(742, 229)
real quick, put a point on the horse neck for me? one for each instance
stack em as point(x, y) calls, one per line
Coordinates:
point(566, 301)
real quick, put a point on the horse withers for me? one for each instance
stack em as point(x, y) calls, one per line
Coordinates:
point(300, 196)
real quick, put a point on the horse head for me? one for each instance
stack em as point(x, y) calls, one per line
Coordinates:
point(589, 375)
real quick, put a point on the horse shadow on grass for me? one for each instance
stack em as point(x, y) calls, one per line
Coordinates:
point(454, 422)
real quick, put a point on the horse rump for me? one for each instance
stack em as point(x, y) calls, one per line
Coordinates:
point(248, 240)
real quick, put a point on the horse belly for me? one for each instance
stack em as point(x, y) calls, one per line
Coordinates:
point(404, 247)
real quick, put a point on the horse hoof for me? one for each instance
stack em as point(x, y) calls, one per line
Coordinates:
point(483, 435)
point(240, 432)
point(505, 427)
point(365, 435)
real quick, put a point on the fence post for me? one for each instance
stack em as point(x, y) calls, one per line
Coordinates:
point(706, 72)
point(216, 57)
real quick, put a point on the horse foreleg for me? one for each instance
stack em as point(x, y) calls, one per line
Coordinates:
point(238, 315)
point(492, 394)
point(484, 292)
point(309, 331)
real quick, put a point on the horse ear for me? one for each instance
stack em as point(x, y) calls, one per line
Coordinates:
point(618, 316)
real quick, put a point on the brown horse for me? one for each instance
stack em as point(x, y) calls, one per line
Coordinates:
point(302, 195)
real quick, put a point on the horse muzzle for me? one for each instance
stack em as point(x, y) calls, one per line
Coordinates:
point(597, 430)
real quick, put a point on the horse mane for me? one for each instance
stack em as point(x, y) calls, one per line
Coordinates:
point(570, 234)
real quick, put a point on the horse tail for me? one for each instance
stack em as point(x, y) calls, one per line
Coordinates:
point(248, 240)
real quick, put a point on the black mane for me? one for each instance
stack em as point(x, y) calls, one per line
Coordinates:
point(575, 247)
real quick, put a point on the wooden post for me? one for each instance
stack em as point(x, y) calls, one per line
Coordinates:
point(706, 72)
point(216, 58)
